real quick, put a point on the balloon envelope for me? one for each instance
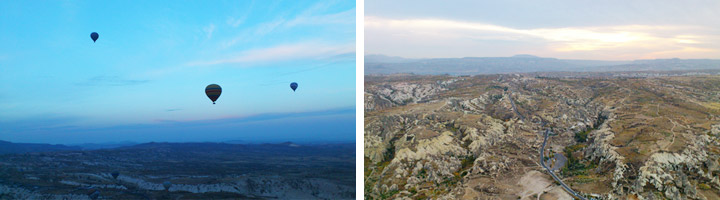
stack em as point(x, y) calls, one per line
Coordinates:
point(293, 86)
point(213, 92)
point(94, 36)
point(115, 174)
point(167, 185)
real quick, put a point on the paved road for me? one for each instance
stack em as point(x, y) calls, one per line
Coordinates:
point(542, 152)
point(542, 162)
point(560, 161)
point(509, 93)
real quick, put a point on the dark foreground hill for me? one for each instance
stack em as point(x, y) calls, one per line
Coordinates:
point(196, 170)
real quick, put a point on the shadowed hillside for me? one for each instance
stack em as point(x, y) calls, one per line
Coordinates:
point(196, 170)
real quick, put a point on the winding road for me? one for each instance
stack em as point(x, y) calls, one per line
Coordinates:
point(542, 152)
point(542, 163)
point(509, 93)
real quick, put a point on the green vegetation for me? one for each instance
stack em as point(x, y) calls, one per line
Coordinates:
point(581, 137)
point(452, 181)
point(422, 173)
point(584, 179)
point(574, 148)
point(452, 128)
point(467, 162)
point(412, 191)
point(387, 156)
point(496, 97)
point(387, 195)
point(667, 134)
point(497, 87)
point(704, 186)
point(574, 166)
point(406, 101)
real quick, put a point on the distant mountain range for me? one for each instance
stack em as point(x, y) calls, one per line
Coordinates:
point(108, 145)
point(381, 64)
point(10, 148)
point(17, 148)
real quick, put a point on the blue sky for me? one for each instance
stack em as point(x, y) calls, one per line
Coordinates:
point(153, 60)
point(569, 29)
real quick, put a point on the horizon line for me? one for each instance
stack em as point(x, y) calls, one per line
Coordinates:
point(535, 56)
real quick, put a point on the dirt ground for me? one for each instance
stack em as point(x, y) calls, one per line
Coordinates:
point(538, 185)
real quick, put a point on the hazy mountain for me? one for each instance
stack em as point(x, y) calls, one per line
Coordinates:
point(236, 142)
point(380, 64)
point(108, 145)
point(10, 148)
point(376, 58)
point(524, 56)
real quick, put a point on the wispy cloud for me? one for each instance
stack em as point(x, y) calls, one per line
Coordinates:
point(39, 122)
point(348, 58)
point(646, 39)
point(235, 22)
point(111, 81)
point(285, 52)
point(209, 30)
point(344, 17)
point(268, 116)
point(312, 16)
point(173, 109)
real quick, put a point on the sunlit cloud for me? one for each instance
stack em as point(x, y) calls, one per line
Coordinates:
point(646, 40)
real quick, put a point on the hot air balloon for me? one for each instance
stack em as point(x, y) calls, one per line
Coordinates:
point(94, 36)
point(213, 92)
point(115, 174)
point(293, 86)
point(167, 185)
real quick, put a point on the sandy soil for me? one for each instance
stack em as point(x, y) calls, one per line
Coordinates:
point(556, 193)
point(535, 183)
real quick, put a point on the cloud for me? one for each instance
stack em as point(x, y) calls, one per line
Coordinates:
point(344, 17)
point(111, 81)
point(308, 17)
point(644, 39)
point(285, 52)
point(209, 30)
point(173, 109)
point(269, 116)
point(332, 124)
point(47, 121)
point(233, 22)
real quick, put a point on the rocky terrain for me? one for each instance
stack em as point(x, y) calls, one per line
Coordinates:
point(195, 171)
point(478, 137)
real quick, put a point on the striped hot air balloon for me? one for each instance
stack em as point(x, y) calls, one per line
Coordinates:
point(213, 92)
